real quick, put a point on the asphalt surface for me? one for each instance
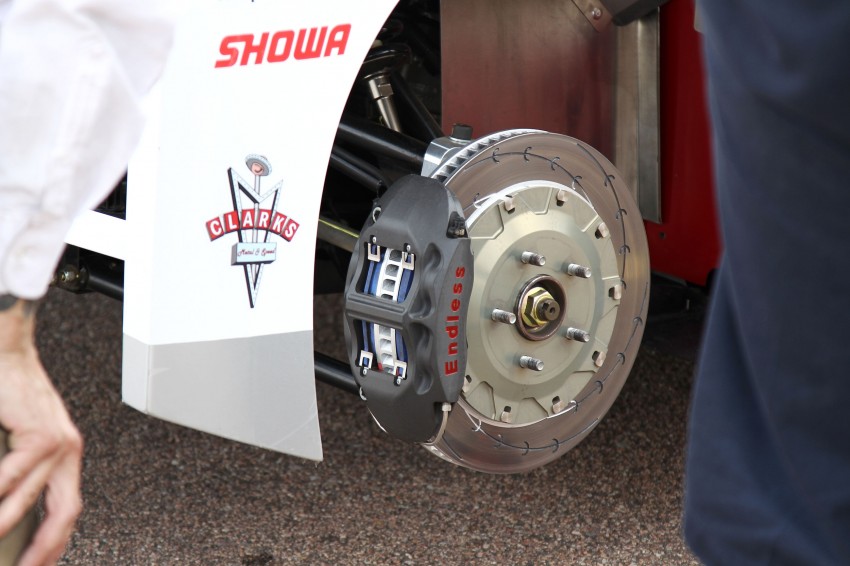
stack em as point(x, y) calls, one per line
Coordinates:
point(156, 493)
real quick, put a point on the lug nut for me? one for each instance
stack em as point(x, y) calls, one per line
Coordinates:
point(578, 270)
point(504, 317)
point(561, 197)
point(577, 334)
point(506, 416)
point(533, 259)
point(528, 362)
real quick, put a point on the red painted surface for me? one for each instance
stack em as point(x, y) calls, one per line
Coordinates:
point(687, 243)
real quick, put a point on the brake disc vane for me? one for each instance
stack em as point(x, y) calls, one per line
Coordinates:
point(406, 300)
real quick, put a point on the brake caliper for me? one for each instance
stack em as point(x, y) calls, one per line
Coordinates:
point(407, 292)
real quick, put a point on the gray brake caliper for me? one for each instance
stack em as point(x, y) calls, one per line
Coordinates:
point(407, 292)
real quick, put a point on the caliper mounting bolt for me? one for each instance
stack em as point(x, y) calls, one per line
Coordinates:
point(533, 259)
point(578, 270)
point(528, 362)
point(456, 227)
point(577, 334)
point(462, 133)
point(504, 317)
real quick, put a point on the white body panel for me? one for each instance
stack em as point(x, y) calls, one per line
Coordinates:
point(218, 337)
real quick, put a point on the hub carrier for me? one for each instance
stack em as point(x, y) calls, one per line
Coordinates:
point(407, 293)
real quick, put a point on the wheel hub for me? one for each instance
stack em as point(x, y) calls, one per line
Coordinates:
point(554, 222)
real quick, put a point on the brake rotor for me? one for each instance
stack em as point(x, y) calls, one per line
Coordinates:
point(557, 307)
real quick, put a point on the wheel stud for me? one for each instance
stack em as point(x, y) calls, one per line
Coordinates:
point(577, 334)
point(528, 362)
point(578, 270)
point(533, 259)
point(504, 317)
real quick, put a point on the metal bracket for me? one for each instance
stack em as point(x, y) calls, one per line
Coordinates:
point(597, 14)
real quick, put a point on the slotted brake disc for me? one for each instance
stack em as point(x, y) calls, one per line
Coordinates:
point(558, 302)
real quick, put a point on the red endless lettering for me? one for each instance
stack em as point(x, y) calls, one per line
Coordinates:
point(451, 366)
point(452, 329)
point(278, 46)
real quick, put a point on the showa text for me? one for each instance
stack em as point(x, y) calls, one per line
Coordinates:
point(279, 46)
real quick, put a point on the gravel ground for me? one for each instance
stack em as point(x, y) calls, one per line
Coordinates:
point(156, 493)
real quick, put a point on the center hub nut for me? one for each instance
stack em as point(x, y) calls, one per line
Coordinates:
point(541, 308)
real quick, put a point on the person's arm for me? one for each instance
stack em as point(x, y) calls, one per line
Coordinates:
point(72, 76)
point(45, 447)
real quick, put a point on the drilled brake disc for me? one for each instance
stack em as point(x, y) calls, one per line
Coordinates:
point(557, 307)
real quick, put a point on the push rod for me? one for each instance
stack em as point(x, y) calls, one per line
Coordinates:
point(335, 373)
point(375, 138)
point(336, 234)
point(358, 170)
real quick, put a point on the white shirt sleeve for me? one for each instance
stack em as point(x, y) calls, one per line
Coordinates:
point(72, 75)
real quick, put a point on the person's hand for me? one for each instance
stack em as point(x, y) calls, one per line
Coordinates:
point(45, 448)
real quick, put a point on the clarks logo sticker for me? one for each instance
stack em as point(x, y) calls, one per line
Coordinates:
point(279, 46)
point(256, 221)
